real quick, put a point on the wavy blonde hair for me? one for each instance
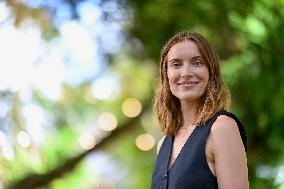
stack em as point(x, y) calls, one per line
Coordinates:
point(216, 97)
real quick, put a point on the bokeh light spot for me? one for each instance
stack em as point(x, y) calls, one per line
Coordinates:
point(24, 139)
point(107, 121)
point(106, 87)
point(145, 142)
point(131, 107)
point(87, 141)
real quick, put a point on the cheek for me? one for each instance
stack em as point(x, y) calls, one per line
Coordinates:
point(171, 78)
point(206, 79)
point(205, 74)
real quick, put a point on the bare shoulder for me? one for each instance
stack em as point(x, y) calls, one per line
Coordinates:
point(225, 133)
point(160, 143)
point(224, 125)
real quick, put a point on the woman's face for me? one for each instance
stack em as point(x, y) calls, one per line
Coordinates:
point(187, 71)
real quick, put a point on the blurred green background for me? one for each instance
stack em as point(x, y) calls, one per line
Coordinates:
point(77, 79)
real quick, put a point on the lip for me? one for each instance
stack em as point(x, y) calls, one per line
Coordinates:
point(188, 83)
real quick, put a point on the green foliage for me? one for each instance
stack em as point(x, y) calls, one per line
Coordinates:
point(138, 164)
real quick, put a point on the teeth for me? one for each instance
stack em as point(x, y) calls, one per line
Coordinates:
point(192, 83)
point(187, 84)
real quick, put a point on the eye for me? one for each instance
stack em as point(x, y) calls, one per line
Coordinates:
point(176, 65)
point(198, 63)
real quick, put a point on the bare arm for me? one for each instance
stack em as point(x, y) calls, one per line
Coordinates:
point(229, 154)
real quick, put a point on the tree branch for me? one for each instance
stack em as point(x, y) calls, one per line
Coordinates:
point(33, 180)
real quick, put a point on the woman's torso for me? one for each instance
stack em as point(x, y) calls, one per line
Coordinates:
point(190, 169)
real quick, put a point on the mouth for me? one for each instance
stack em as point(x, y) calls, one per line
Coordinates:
point(187, 83)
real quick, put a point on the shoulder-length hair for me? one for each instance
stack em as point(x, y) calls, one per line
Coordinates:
point(216, 97)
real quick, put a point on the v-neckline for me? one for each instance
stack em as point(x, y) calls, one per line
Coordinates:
point(170, 167)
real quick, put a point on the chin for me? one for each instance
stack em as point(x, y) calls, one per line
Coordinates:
point(191, 99)
point(189, 96)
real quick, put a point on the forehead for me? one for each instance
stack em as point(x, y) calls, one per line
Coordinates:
point(184, 49)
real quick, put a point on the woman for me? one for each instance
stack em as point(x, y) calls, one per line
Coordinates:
point(204, 146)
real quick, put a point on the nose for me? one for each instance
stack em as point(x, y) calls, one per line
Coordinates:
point(187, 70)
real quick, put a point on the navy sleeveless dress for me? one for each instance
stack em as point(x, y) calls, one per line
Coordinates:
point(190, 170)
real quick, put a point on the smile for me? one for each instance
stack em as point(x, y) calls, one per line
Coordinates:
point(188, 83)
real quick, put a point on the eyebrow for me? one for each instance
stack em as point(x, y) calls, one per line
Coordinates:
point(178, 59)
point(174, 60)
point(197, 57)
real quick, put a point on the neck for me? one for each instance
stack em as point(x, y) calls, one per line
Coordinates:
point(189, 111)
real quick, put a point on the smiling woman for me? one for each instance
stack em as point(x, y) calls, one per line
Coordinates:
point(204, 144)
